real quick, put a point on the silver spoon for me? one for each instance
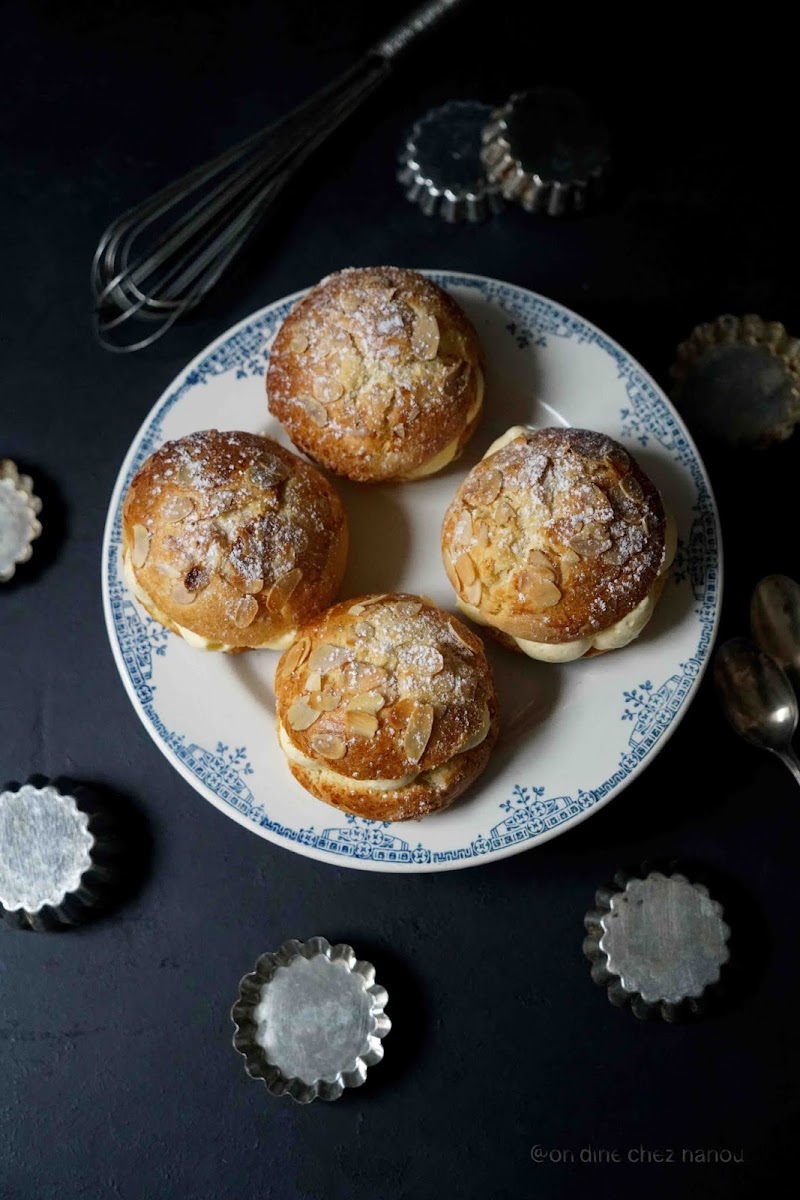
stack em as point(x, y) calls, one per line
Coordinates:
point(775, 620)
point(758, 699)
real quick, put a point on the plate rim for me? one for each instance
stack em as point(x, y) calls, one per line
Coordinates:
point(354, 862)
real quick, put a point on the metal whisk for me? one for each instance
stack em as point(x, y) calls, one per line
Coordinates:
point(159, 259)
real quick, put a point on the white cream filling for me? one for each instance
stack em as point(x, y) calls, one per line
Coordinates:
point(193, 639)
point(622, 632)
point(446, 456)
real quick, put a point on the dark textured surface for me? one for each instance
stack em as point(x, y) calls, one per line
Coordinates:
point(117, 1077)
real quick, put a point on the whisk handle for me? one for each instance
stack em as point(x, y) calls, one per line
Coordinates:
point(420, 21)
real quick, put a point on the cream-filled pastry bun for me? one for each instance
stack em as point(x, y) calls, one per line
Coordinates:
point(559, 543)
point(232, 541)
point(377, 374)
point(386, 707)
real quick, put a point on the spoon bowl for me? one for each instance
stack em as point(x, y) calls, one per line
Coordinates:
point(775, 620)
point(758, 699)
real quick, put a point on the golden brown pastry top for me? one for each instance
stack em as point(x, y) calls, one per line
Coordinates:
point(384, 686)
point(233, 537)
point(374, 372)
point(556, 535)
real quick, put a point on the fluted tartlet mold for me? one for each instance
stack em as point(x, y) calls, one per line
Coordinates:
point(19, 518)
point(310, 1019)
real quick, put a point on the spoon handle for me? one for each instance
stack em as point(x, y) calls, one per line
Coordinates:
point(790, 761)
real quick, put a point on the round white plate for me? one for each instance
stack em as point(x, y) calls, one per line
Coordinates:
point(573, 736)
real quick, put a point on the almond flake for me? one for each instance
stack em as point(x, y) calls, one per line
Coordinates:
point(482, 535)
point(366, 702)
point(460, 637)
point(539, 593)
point(465, 570)
point(569, 556)
point(180, 595)
point(267, 475)
point(407, 608)
point(177, 508)
point(362, 724)
point(314, 410)
point(298, 343)
point(328, 745)
point(349, 302)
point(253, 586)
point(325, 701)
point(349, 370)
point(590, 544)
point(483, 487)
point(167, 569)
point(472, 594)
point(185, 476)
point(282, 589)
point(463, 532)
point(296, 655)
point(631, 487)
point(617, 459)
point(540, 562)
point(141, 546)
point(480, 733)
point(356, 610)
point(301, 715)
point(363, 629)
point(245, 612)
point(313, 682)
point(418, 731)
point(504, 513)
point(327, 389)
point(327, 657)
point(425, 336)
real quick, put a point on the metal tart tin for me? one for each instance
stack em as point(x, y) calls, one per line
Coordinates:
point(657, 943)
point(546, 149)
point(310, 1019)
point(440, 163)
point(56, 858)
point(19, 524)
point(738, 381)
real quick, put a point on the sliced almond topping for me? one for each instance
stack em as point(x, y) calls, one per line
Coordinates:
point(540, 562)
point(301, 715)
point(373, 599)
point(327, 657)
point(356, 610)
point(366, 702)
point(465, 570)
point(298, 343)
point(472, 594)
point(296, 655)
point(463, 532)
point(363, 629)
point(184, 475)
point(349, 302)
point(504, 513)
point(399, 432)
point(482, 535)
point(328, 389)
point(245, 612)
point(325, 701)
point(483, 486)
point(418, 731)
point(370, 677)
point(180, 595)
point(591, 543)
point(631, 487)
point(253, 586)
point(458, 634)
point(313, 682)
point(165, 568)
point(314, 410)
point(617, 459)
point(349, 370)
point(425, 336)
point(282, 589)
point(569, 556)
point(141, 546)
point(645, 528)
point(480, 733)
point(328, 745)
point(267, 475)
point(539, 593)
point(177, 508)
point(408, 608)
point(362, 724)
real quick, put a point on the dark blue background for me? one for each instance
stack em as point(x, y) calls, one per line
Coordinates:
point(117, 1077)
